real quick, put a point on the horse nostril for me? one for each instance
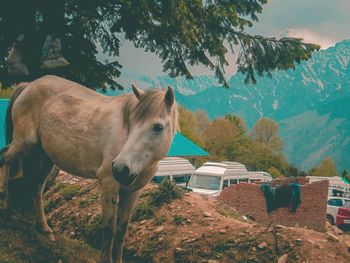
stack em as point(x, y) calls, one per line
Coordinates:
point(124, 171)
point(121, 173)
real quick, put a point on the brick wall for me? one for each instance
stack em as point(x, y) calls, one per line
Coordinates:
point(248, 199)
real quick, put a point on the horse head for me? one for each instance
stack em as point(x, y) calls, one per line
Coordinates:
point(151, 119)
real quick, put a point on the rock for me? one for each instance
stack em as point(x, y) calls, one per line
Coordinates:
point(337, 230)
point(207, 214)
point(332, 237)
point(283, 259)
point(213, 261)
point(143, 222)
point(191, 240)
point(319, 246)
point(281, 227)
point(159, 229)
point(222, 231)
point(262, 245)
point(179, 250)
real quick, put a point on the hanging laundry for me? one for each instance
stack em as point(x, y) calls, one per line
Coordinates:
point(282, 196)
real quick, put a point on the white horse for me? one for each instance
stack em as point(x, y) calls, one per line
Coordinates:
point(118, 140)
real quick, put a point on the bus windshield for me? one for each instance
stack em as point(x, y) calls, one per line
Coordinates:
point(209, 182)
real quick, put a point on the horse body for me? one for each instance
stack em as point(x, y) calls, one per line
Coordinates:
point(118, 140)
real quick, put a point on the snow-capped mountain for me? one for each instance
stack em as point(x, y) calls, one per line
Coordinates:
point(311, 103)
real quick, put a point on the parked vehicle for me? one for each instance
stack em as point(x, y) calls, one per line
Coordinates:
point(175, 169)
point(259, 177)
point(338, 210)
point(212, 177)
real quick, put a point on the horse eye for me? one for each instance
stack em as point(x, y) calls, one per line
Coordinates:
point(158, 127)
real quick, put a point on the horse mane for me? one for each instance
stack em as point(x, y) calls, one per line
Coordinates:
point(148, 106)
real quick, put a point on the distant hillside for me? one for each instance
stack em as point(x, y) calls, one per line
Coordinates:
point(303, 101)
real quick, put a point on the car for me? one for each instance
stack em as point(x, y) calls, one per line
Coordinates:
point(338, 211)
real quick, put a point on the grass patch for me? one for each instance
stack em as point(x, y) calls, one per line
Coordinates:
point(160, 220)
point(5, 258)
point(178, 219)
point(68, 191)
point(93, 233)
point(165, 193)
point(89, 200)
point(51, 204)
point(143, 211)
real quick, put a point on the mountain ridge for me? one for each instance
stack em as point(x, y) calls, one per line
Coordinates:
point(319, 86)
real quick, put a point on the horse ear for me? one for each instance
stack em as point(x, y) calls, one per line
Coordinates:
point(138, 92)
point(169, 97)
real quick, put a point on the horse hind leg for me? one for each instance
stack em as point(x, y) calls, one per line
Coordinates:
point(4, 174)
point(8, 155)
point(37, 170)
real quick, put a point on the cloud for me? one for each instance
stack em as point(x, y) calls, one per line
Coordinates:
point(309, 36)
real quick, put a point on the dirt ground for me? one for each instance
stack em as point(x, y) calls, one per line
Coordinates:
point(190, 229)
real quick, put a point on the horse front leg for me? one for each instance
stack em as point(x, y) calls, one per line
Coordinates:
point(127, 200)
point(109, 195)
point(4, 174)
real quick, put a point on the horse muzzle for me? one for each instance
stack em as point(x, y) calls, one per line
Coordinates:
point(122, 175)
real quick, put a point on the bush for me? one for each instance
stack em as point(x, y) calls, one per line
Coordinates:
point(178, 219)
point(69, 191)
point(165, 193)
point(143, 211)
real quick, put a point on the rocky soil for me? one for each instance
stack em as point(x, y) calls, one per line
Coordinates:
point(188, 229)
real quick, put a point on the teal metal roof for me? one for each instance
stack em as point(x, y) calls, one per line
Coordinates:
point(180, 147)
point(3, 107)
point(183, 147)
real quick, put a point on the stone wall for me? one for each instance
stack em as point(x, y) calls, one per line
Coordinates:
point(248, 199)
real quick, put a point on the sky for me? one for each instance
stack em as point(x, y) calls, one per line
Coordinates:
point(324, 22)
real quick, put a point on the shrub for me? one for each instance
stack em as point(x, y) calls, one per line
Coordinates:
point(143, 211)
point(165, 193)
point(69, 191)
point(178, 219)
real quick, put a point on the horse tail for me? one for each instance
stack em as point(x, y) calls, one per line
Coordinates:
point(9, 121)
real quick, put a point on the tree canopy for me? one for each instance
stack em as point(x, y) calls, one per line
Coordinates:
point(265, 131)
point(182, 33)
point(327, 168)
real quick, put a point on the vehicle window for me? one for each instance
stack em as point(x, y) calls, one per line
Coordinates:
point(225, 184)
point(245, 180)
point(233, 181)
point(205, 181)
point(335, 202)
point(180, 179)
point(347, 203)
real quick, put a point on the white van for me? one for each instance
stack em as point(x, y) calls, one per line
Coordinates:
point(259, 176)
point(175, 169)
point(212, 178)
